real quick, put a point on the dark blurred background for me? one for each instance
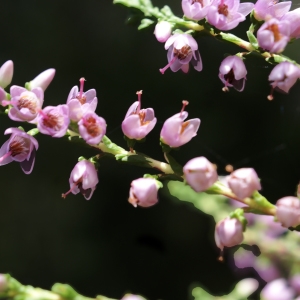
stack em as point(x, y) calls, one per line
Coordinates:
point(105, 246)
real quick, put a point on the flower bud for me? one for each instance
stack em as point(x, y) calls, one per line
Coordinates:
point(132, 297)
point(228, 233)
point(42, 80)
point(288, 211)
point(277, 290)
point(143, 192)
point(3, 283)
point(200, 174)
point(243, 182)
point(6, 73)
point(163, 31)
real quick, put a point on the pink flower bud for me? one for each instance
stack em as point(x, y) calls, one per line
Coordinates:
point(288, 211)
point(83, 179)
point(243, 182)
point(6, 73)
point(228, 233)
point(143, 192)
point(175, 132)
point(233, 73)
point(132, 297)
point(163, 31)
point(200, 174)
point(42, 80)
point(277, 290)
point(195, 10)
point(265, 9)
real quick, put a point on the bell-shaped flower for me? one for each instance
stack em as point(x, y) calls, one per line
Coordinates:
point(228, 233)
point(54, 120)
point(227, 14)
point(92, 128)
point(283, 77)
point(143, 192)
point(138, 122)
point(20, 147)
point(288, 211)
point(175, 132)
point(233, 73)
point(200, 173)
point(274, 35)
point(243, 182)
point(163, 31)
point(79, 101)
point(294, 18)
point(266, 9)
point(195, 9)
point(25, 104)
point(6, 73)
point(182, 49)
point(42, 80)
point(277, 289)
point(83, 179)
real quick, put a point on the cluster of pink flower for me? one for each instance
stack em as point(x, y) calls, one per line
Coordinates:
point(277, 24)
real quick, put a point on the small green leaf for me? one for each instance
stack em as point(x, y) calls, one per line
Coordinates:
point(64, 290)
point(137, 160)
point(145, 23)
point(166, 10)
point(252, 39)
point(110, 145)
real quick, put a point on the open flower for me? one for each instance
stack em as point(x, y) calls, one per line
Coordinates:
point(20, 147)
point(195, 9)
point(80, 102)
point(138, 122)
point(83, 179)
point(227, 14)
point(233, 73)
point(182, 49)
point(293, 17)
point(266, 9)
point(175, 132)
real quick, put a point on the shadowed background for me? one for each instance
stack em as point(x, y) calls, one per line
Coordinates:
point(105, 246)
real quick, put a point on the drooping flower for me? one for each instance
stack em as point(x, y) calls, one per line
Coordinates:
point(92, 128)
point(175, 132)
point(200, 173)
point(182, 49)
point(274, 35)
point(288, 211)
point(80, 102)
point(138, 122)
point(143, 192)
point(6, 73)
point(54, 120)
point(83, 179)
point(25, 104)
point(266, 9)
point(243, 182)
point(195, 9)
point(277, 289)
point(163, 31)
point(293, 17)
point(228, 233)
point(284, 76)
point(20, 147)
point(42, 80)
point(227, 14)
point(233, 73)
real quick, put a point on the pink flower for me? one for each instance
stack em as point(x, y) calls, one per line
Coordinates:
point(92, 128)
point(266, 9)
point(26, 104)
point(284, 76)
point(200, 174)
point(182, 49)
point(83, 179)
point(277, 290)
point(42, 80)
point(175, 132)
point(54, 120)
point(143, 192)
point(163, 31)
point(294, 18)
point(20, 147)
point(274, 35)
point(80, 102)
point(132, 297)
point(288, 211)
point(138, 122)
point(195, 9)
point(243, 182)
point(6, 73)
point(228, 233)
point(227, 14)
point(233, 73)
